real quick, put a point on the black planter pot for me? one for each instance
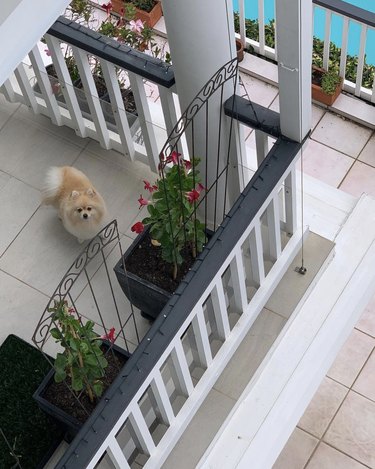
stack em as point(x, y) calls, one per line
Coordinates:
point(144, 295)
point(69, 424)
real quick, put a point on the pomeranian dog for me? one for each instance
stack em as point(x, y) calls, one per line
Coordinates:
point(80, 206)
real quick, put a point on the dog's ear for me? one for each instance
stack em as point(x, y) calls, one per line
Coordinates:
point(74, 195)
point(90, 192)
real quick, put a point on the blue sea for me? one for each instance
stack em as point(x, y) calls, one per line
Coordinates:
point(251, 11)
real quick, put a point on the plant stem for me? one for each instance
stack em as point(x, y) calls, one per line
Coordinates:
point(174, 274)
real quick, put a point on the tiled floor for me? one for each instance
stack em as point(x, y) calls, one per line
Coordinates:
point(338, 429)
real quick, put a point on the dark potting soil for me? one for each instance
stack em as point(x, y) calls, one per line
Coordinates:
point(61, 395)
point(31, 433)
point(147, 263)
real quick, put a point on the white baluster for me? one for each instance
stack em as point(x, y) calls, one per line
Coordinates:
point(361, 60)
point(256, 254)
point(141, 430)
point(327, 38)
point(182, 369)
point(162, 399)
point(291, 202)
point(26, 89)
point(119, 113)
point(45, 86)
point(220, 310)
point(8, 91)
point(201, 338)
point(344, 46)
point(262, 38)
point(116, 454)
point(144, 115)
point(273, 222)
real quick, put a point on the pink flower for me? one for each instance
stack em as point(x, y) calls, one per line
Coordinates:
point(107, 7)
point(136, 26)
point(142, 201)
point(200, 187)
point(149, 187)
point(110, 335)
point(48, 52)
point(173, 157)
point(192, 195)
point(138, 227)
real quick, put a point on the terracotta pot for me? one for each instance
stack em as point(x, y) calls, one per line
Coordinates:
point(317, 92)
point(240, 51)
point(150, 18)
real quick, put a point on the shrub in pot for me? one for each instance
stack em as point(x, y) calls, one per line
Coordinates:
point(170, 237)
point(326, 85)
point(81, 372)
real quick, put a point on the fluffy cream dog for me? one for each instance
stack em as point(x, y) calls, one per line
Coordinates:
point(80, 206)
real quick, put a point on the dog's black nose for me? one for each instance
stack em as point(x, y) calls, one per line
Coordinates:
point(85, 215)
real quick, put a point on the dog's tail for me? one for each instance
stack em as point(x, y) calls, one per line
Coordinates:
point(52, 185)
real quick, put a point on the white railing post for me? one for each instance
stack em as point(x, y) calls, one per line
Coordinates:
point(182, 369)
point(26, 88)
point(273, 222)
point(162, 399)
point(140, 428)
point(201, 338)
point(327, 39)
point(361, 60)
point(290, 191)
point(116, 455)
point(256, 254)
point(220, 310)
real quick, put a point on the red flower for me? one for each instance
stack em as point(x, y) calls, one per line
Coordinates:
point(192, 195)
point(107, 7)
point(149, 187)
point(142, 201)
point(173, 157)
point(138, 227)
point(187, 165)
point(110, 336)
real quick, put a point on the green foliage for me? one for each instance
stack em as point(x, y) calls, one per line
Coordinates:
point(252, 32)
point(330, 82)
point(145, 5)
point(172, 211)
point(82, 360)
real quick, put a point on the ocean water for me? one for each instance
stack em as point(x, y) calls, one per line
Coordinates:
point(251, 11)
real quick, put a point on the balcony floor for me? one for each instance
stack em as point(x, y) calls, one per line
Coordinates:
point(35, 253)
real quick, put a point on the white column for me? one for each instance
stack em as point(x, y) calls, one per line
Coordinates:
point(201, 38)
point(294, 46)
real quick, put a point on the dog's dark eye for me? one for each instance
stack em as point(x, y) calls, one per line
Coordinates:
point(79, 210)
point(88, 209)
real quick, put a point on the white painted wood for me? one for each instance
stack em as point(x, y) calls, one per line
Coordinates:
point(223, 356)
point(290, 197)
point(66, 85)
point(361, 60)
point(327, 38)
point(261, 141)
point(182, 368)
point(117, 456)
point(168, 106)
point(111, 79)
point(261, 26)
point(241, 8)
point(237, 270)
point(17, 17)
point(144, 115)
point(256, 254)
point(344, 46)
point(294, 38)
point(201, 338)
point(220, 309)
point(162, 399)
point(8, 92)
point(301, 357)
point(45, 86)
point(26, 88)
point(92, 97)
point(274, 234)
point(141, 430)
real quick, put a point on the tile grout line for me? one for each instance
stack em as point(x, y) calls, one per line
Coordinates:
point(24, 283)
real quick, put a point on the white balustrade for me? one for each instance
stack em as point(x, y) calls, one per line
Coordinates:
point(136, 136)
point(354, 87)
point(171, 377)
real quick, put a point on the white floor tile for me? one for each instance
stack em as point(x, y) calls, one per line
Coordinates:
point(18, 202)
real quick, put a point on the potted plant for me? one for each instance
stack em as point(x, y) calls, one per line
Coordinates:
point(239, 50)
point(81, 372)
point(326, 85)
point(148, 11)
point(169, 238)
